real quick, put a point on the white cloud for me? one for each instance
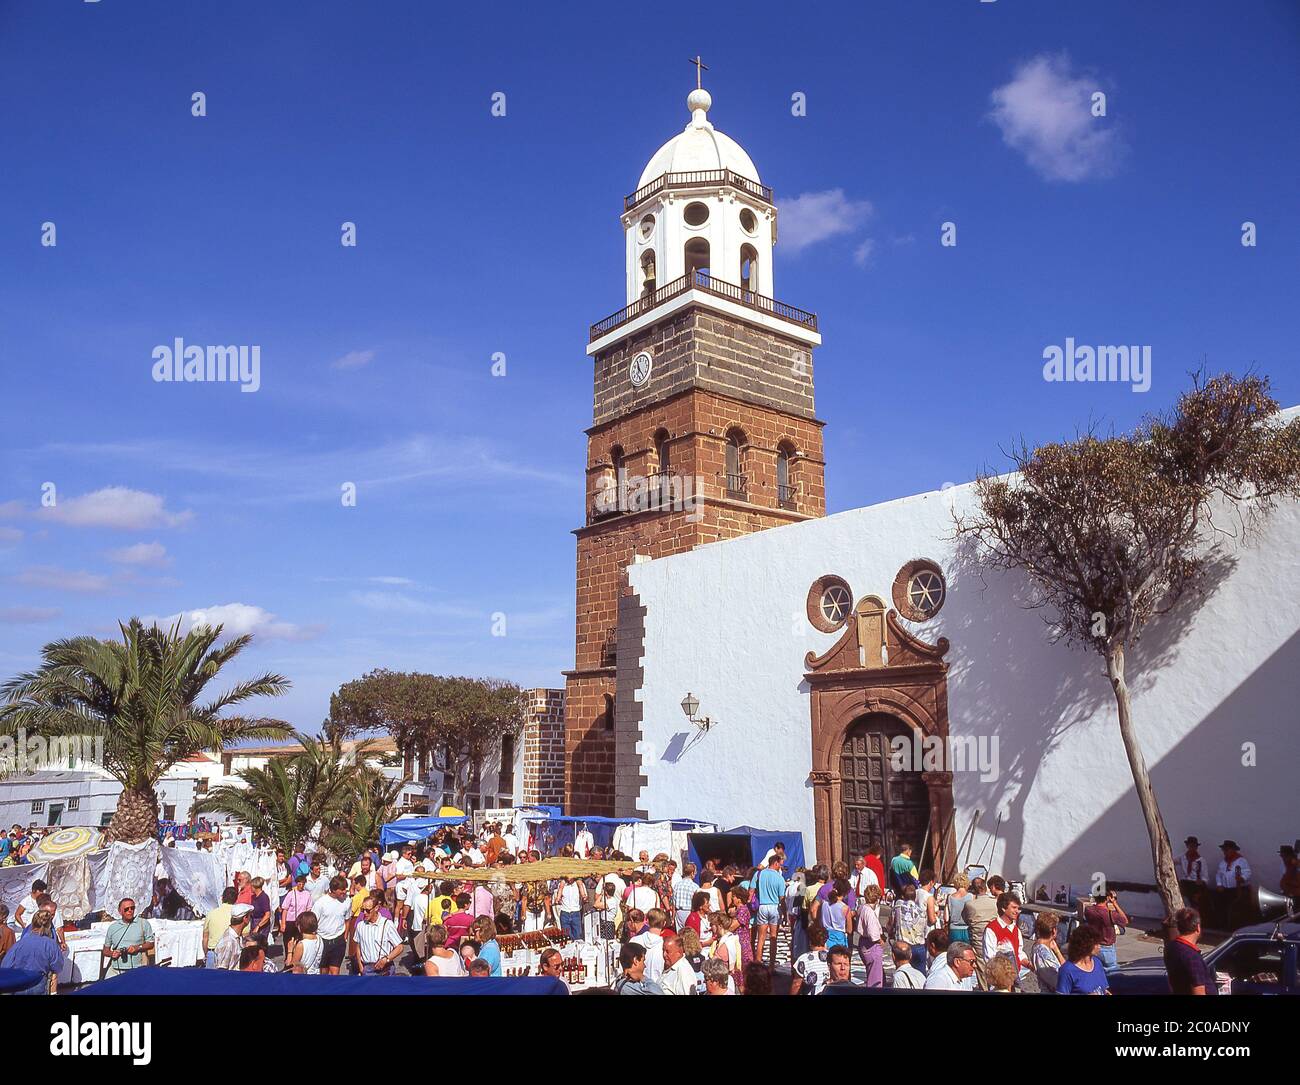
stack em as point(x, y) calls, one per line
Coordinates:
point(236, 619)
point(145, 553)
point(10, 535)
point(52, 578)
point(115, 507)
point(354, 359)
point(816, 216)
point(273, 475)
point(862, 254)
point(400, 581)
point(1045, 113)
point(27, 615)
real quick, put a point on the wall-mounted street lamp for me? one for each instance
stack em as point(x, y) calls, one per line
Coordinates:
point(691, 705)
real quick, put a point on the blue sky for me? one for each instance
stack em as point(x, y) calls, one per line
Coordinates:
point(480, 234)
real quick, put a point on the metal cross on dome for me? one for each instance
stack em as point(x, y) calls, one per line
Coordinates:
point(700, 66)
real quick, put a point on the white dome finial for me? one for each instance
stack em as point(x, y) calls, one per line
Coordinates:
point(699, 99)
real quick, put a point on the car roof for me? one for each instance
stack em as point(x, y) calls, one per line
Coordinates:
point(1290, 930)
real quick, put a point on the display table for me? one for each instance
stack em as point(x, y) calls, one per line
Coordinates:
point(594, 957)
point(178, 943)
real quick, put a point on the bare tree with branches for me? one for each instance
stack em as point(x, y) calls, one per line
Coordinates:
point(1115, 530)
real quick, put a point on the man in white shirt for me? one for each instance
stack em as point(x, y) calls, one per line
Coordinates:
point(27, 907)
point(653, 940)
point(407, 886)
point(1232, 885)
point(512, 841)
point(318, 882)
point(678, 977)
point(378, 944)
point(863, 876)
point(1234, 871)
point(907, 977)
point(958, 974)
point(333, 910)
point(1191, 864)
point(470, 853)
point(643, 896)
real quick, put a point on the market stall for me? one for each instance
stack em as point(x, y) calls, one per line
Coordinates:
point(745, 846)
point(415, 830)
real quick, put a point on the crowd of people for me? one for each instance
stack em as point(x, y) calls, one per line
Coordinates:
point(665, 928)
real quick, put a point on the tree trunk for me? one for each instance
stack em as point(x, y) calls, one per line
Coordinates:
point(1162, 855)
point(136, 817)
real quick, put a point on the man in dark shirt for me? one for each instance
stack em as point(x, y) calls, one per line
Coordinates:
point(1186, 968)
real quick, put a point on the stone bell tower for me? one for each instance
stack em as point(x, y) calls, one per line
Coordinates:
point(703, 425)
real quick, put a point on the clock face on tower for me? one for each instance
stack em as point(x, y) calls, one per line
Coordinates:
point(639, 371)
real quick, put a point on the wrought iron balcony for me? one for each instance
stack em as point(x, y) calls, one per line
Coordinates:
point(703, 281)
point(737, 485)
point(785, 496)
point(697, 179)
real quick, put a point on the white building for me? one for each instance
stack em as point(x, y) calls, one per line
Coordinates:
point(83, 796)
point(814, 642)
point(773, 633)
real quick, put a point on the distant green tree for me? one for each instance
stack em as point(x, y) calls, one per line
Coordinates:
point(460, 721)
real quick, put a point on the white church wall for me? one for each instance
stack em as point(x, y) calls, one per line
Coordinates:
point(728, 623)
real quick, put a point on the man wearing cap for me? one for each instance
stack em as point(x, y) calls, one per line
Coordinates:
point(1232, 881)
point(231, 944)
point(387, 869)
point(1290, 883)
point(1191, 867)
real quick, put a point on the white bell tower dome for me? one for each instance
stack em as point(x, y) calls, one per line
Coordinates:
point(699, 208)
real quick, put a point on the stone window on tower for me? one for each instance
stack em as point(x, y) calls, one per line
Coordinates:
point(697, 256)
point(648, 273)
point(785, 494)
point(663, 457)
point(620, 481)
point(749, 269)
point(737, 483)
point(506, 777)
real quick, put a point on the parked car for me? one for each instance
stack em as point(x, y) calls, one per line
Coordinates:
point(1261, 959)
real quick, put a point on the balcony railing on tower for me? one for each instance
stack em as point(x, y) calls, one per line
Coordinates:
point(703, 281)
point(696, 179)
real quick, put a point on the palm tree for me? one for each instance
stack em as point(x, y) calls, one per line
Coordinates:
point(286, 801)
point(371, 802)
point(141, 696)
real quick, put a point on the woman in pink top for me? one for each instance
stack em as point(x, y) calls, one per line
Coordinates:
point(293, 904)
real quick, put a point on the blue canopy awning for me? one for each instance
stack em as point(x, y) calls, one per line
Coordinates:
point(214, 981)
point(744, 838)
point(414, 829)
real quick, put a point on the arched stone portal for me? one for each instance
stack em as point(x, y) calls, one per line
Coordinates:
point(877, 682)
point(879, 802)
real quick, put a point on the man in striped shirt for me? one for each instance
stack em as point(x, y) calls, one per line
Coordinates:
point(377, 941)
point(684, 888)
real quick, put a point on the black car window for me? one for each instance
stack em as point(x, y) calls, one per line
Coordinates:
point(1253, 964)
